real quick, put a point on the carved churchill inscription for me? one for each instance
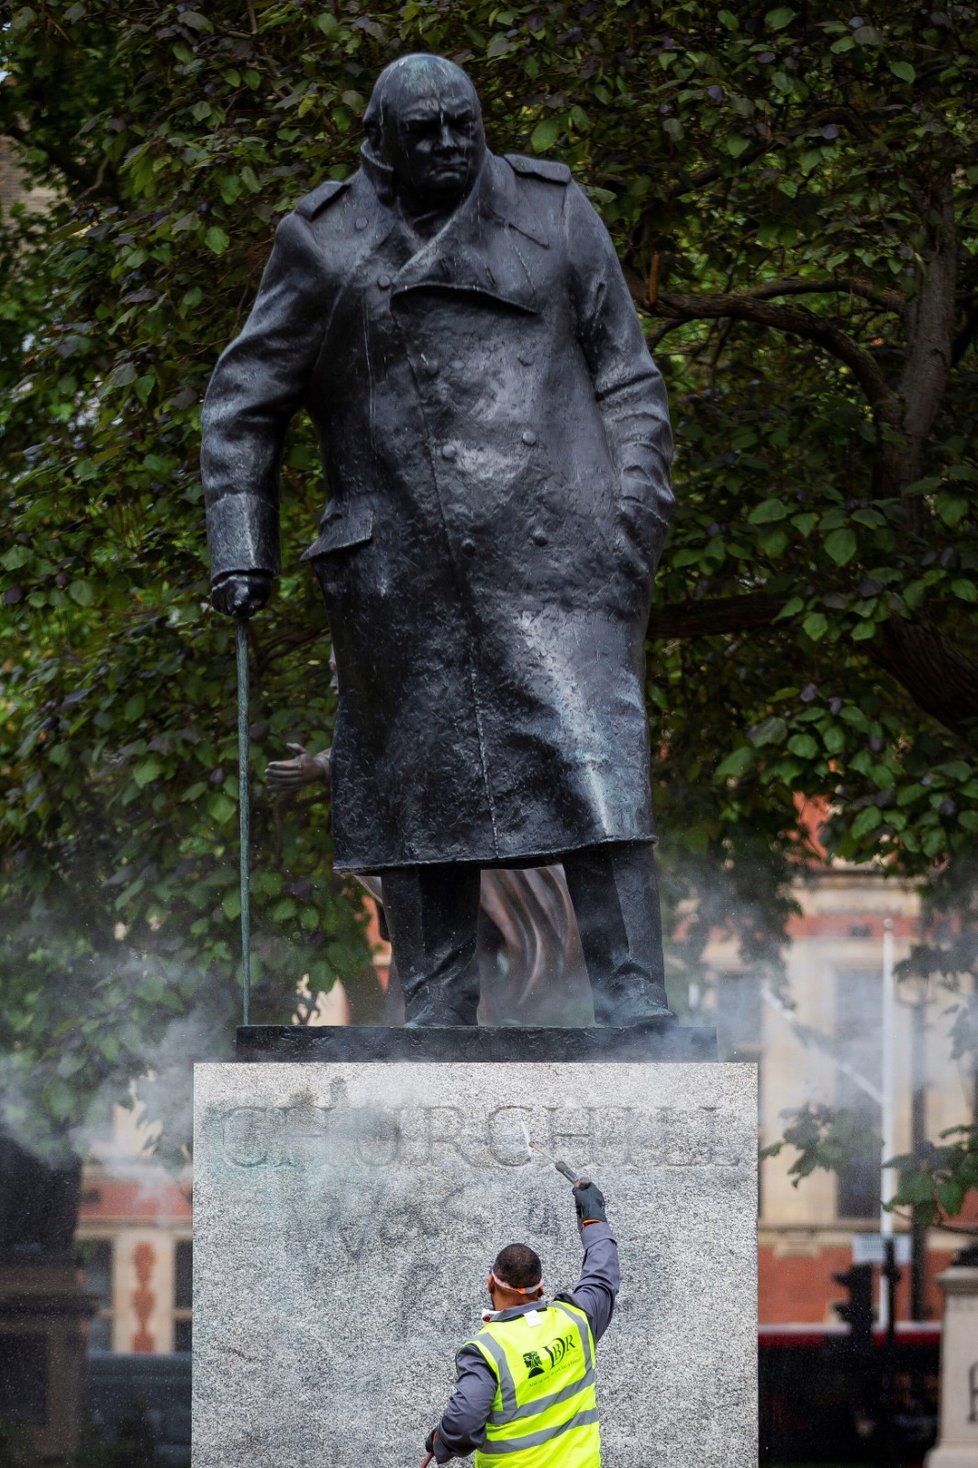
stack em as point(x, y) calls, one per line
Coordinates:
point(346, 1217)
point(312, 1136)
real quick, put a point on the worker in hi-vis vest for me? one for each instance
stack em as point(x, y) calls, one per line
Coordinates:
point(524, 1389)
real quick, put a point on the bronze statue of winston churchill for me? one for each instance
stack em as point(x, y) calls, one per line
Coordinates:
point(496, 447)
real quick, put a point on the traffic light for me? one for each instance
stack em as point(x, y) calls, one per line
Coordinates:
point(857, 1311)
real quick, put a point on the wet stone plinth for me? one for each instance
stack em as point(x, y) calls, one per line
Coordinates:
point(346, 1214)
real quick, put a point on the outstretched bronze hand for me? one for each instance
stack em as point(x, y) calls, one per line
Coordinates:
point(286, 776)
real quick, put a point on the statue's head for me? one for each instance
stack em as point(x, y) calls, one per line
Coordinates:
point(424, 123)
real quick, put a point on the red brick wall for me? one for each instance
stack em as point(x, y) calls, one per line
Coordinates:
point(800, 1289)
point(134, 1201)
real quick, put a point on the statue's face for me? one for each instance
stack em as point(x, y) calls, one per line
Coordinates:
point(434, 143)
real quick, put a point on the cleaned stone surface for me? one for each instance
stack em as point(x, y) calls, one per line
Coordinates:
point(345, 1217)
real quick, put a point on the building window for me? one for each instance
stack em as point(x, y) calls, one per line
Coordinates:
point(858, 999)
point(96, 1258)
point(738, 1016)
point(183, 1271)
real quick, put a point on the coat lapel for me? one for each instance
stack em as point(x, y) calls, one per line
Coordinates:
point(486, 248)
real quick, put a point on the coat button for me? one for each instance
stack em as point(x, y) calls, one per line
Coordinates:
point(432, 369)
point(529, 438)
point(384, 281)
point(468, 546)
point(539, 537)
point(361, 222)
point(448, 451)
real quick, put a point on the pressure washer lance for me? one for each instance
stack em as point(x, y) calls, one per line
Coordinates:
point(576, 1179)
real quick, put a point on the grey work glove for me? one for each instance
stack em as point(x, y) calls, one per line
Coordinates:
point(589, 1203)
point(241, 593)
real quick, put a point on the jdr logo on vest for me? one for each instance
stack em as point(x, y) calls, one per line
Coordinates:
point(554, 1352)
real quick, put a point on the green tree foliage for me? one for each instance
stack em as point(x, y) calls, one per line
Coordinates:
point(793, 193)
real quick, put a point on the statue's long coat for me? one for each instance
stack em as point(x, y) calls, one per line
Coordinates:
point(496, 446)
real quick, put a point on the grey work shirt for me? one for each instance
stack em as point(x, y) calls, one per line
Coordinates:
point(462, 1428)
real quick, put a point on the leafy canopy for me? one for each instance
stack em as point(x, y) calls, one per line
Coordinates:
point(792, 192)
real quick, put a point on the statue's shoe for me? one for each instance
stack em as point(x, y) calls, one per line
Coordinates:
point(439, 1019)
point(640, 1017)
point(628, 1015)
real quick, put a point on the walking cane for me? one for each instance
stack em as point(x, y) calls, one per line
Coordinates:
point(241, 650)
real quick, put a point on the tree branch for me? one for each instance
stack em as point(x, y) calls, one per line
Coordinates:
point(835, 285)
point(930, 333)
point(62, 160)
point(966, 335)
point(793, 320)
point(941, 680)
point(719, 615)
point(285, 643)
point(709, 175)
point(840, 116)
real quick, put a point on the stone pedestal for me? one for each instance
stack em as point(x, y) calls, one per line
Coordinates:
point(958, 1443)
point(346, 1215)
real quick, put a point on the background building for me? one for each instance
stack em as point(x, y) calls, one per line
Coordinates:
point(818, 1039)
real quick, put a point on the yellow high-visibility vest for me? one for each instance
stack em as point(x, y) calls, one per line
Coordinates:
point(544, 1412)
